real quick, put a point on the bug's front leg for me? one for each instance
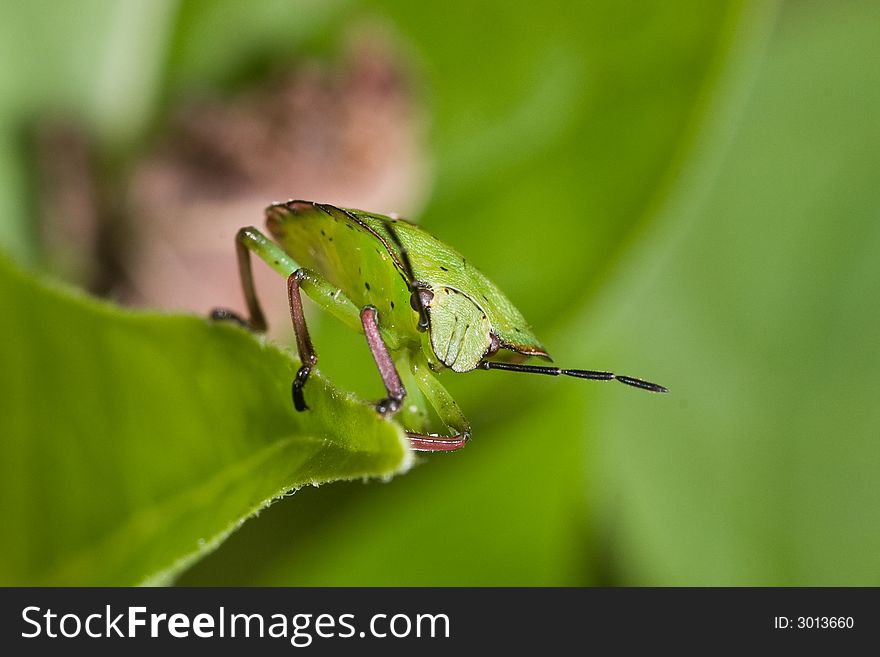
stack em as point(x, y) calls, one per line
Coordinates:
point(387, 370)
point(436, 394)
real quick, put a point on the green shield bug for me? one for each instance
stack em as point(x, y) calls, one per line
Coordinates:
point(421, 306)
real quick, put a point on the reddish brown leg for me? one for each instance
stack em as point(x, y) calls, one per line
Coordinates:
point(387, 370)
point(307, 355)
point(425, 443)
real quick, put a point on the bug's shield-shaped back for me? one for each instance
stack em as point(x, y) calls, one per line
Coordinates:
point(459, 329)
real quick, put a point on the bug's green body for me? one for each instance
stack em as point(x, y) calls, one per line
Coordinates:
point(421, 306)
point(358, 253)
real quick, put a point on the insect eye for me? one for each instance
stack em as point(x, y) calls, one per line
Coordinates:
point(425, 296)
point(420, 298)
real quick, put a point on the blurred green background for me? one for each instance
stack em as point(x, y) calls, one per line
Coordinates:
point(687, 192)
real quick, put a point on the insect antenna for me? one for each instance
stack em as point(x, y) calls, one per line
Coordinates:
point(580, 374)
point(416, 299)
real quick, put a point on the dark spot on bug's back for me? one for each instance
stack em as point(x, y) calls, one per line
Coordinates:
point(392, 305)
point(331, 239)
point(446, 290)
point(443, 268)
point(276, 262)
point(367, 285)
point(323, 233)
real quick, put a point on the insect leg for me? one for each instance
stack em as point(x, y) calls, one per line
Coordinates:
point(328, 297)
point(307, 355)
point(247, 240)
point(447, 410)
point(390, 377)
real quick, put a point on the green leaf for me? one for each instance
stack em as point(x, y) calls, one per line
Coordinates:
point(134, 443)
